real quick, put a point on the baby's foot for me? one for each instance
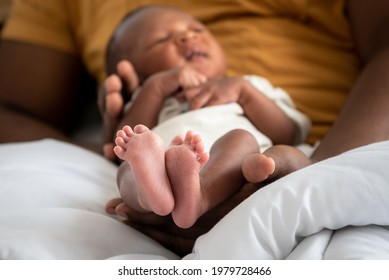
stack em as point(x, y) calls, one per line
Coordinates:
point(257, 167)
point(184, 159)
point(144, 151)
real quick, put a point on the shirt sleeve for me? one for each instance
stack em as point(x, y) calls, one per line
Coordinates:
point(40, 22)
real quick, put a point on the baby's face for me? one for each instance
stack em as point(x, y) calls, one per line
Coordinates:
point(158, 39)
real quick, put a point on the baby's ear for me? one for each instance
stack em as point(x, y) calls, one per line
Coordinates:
point(129, 77)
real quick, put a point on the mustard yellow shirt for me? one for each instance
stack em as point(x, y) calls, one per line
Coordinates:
point(303, 46)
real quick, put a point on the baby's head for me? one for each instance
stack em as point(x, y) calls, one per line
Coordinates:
point(156, 38)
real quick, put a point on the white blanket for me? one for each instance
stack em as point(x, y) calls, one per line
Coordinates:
point(52, 198)
point(337, 209)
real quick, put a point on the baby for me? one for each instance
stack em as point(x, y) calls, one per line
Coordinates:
point(181, 71)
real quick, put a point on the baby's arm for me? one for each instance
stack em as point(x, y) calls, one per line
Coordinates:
point(147, 105)
point(266, 115)
point(263, 112)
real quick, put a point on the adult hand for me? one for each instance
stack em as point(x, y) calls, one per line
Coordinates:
point(163, 229)
point(116, 90)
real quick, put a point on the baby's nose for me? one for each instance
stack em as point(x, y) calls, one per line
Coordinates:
point(185, 36)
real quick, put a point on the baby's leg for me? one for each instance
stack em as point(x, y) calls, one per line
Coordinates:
point(184, 159)
point(274, 163)
point(144, 152)
point(197, 191)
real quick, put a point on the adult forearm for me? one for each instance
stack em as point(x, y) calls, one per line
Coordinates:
point(365, 117)
point(17, 127)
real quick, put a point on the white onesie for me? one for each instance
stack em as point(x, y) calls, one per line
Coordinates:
point(214, 121)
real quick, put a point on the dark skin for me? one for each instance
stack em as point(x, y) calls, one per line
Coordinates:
point(368, 101)
point(179, 240)
point(42, 106)
point(367, 104)
point(52, 80)
point(30, 104)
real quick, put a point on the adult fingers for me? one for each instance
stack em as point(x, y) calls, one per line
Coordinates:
point(111, 109)
point(129, 78)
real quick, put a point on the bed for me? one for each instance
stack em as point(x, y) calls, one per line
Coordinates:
point(52, 197)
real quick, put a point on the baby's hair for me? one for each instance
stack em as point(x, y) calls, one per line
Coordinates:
point(112, 54)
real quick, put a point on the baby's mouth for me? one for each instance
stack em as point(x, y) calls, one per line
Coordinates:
point(191, 55)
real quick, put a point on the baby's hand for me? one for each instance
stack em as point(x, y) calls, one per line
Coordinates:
point(188, 77)
point(171, 82)
point(215, 92)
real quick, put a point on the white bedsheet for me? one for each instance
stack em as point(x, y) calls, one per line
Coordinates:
point(52, 198)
